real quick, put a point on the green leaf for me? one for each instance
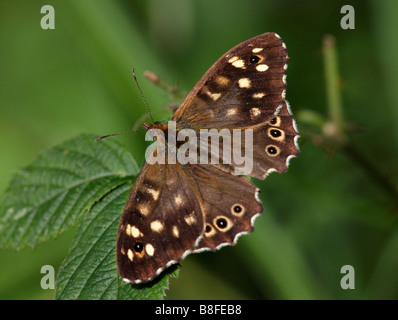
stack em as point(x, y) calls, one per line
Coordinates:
point(46, 197)
point(89, 271)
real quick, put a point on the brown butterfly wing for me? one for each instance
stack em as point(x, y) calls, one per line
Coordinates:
point(175, 209)
point(223, 193)
point(250, 76)
point(161, 223)
point(238, 92)
point(274, 144)
point(230, 205)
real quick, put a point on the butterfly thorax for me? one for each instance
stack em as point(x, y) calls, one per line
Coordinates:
point(164, 127)
point(156, 125)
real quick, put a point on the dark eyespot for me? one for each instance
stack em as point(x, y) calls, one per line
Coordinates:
point(271, 150)
point(237, 209)
point(207, 229)
point(273, 121)
point(254, 59)
point(138, 247)
point(221, 223)
point(275, 133)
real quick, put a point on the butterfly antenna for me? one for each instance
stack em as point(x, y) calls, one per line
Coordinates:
point(118, 134)
point(142, 95)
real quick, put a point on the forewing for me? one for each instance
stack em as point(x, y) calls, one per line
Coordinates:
point(248, 78)
point(161, 223)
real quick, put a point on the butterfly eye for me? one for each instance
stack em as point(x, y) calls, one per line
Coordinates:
point(254, 59)
point(138, 247)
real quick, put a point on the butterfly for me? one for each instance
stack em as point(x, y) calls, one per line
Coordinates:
point(176, 209)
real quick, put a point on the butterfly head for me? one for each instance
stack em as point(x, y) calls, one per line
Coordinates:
point(156, 125)
point(158, 131)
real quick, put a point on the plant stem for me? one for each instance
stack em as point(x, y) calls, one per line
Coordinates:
point(176, 93)
point(335, 110)
point(334, 104)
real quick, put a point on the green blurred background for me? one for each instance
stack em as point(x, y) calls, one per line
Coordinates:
point(327, 211)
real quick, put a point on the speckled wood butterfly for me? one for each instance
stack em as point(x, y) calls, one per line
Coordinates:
point(175, 209)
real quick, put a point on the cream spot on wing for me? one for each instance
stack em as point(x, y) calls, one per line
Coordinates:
point(262, 67)
point(244, 83)
point(212, 95)
point(284, 79)
point(135, 232)
point(239, 64)
point(130, 255)
point(128, 230)
point(191, 219)
point(231, 112)
point(143, 209)
point(255, 112)
point(156, 226)
point(175, 231)
point(256, 50)
point(233, 59)
point(154, 193)
point(222, 81)
point(178, 200)
point(258, 95)
point(215, 96)
point(149, 249)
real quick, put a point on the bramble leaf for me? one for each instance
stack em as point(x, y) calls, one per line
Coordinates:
point(64, 181)
point(90, 271)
